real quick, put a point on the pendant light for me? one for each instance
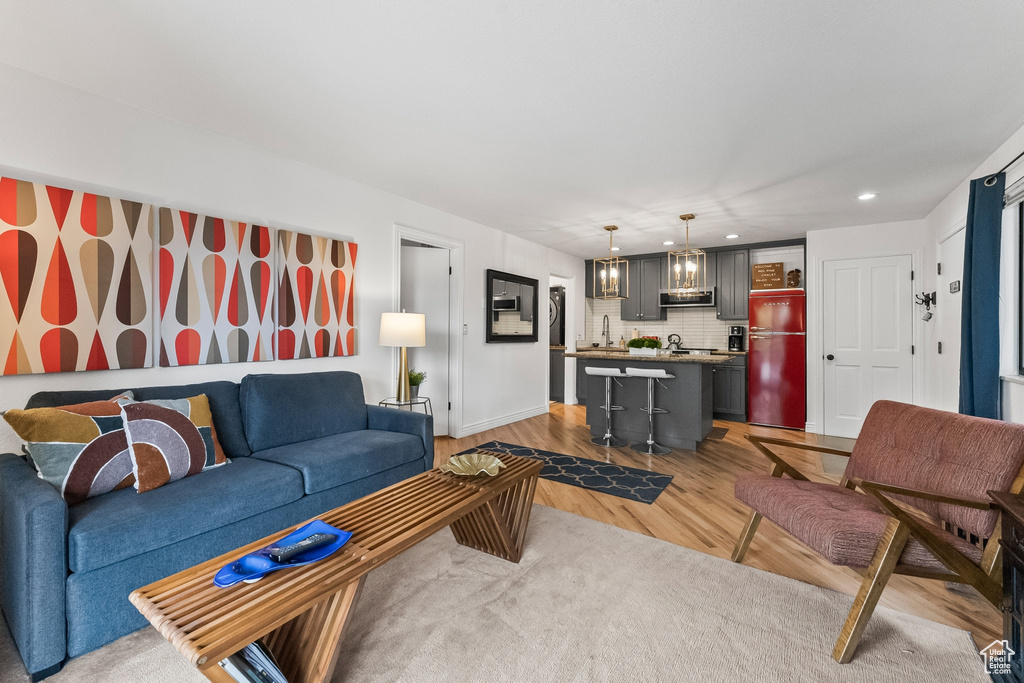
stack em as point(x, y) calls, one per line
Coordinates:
point(611, 275)
point(687, 269)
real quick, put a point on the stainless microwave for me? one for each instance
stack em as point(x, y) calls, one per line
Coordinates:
point(669, 299)
point(505, 303)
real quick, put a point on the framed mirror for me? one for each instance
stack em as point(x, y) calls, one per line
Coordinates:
point(511, 308)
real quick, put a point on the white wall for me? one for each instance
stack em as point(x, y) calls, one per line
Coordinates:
point(863, 241)
point(950, 213)
point(54, 133)
point(920, 238)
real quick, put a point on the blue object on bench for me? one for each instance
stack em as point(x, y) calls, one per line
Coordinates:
point(258, 564)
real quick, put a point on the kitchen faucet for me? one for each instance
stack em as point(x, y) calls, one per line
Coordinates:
point(606, 332)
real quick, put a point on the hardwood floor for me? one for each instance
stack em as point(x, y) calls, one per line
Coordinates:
point(698, 510)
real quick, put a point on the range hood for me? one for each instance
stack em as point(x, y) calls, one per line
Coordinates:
point(670, 299)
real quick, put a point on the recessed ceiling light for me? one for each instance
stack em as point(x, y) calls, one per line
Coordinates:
point(615, 248)
point(669, 243)
point(731, 237)
point(866, 196)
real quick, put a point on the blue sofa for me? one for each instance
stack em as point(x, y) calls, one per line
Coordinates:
point(299, 444)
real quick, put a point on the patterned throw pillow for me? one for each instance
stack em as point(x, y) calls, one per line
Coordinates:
point(170, 439)
point(81, 450)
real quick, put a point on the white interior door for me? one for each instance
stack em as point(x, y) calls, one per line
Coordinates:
point(425, 288)
point(947, 322)
point(868, 321)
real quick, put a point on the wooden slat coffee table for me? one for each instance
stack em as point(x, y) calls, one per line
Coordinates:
point(301, 613)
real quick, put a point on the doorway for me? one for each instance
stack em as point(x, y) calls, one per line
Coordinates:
point(428, 281)
point(559, 327)
point(947, 319)
point(867, 338)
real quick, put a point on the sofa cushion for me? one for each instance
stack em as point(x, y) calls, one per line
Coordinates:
point(55, 399)
point(227, 415)
point(841, 525)
point(223, 396)
point(81, 450)
point(170, 439)
point(286, 409)
point(339, 459)
point(123, 524)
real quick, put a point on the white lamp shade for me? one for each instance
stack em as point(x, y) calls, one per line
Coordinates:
point(403, 329)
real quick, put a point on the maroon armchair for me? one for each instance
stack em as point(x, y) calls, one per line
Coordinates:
point(913, 474)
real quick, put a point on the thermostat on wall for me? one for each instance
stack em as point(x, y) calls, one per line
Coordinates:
point(954, 286)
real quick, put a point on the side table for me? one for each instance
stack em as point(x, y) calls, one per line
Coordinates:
point(1012, 542)
point(393, 402)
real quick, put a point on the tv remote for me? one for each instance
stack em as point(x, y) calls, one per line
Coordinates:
point(284, 553)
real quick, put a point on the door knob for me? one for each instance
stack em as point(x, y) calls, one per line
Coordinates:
point(830, 357)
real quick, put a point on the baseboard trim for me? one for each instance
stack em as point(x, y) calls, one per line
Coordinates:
point(476, 427)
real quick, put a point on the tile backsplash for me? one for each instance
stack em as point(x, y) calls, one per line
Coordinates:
point(698, 327)
point(510, 322)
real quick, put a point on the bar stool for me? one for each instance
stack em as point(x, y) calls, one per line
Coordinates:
point(650, 447)
point(608, 441)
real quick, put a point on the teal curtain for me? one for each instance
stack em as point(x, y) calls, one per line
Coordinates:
point(979, 326)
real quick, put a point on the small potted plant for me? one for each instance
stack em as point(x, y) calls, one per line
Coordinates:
point(415, 380)
point(644, 346)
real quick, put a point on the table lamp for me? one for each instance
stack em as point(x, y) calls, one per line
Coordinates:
point(403, 330)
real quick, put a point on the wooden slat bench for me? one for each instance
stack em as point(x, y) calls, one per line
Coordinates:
point(301, 613)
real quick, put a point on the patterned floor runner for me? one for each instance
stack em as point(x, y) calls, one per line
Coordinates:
point(624, 482)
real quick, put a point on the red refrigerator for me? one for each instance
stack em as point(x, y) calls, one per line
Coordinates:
point(777, 359)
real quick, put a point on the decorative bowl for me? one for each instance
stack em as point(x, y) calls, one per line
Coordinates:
point(472, 464)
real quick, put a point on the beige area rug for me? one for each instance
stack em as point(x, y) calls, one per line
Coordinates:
point(588, 602)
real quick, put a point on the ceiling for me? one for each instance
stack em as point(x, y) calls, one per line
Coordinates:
point(549, 120)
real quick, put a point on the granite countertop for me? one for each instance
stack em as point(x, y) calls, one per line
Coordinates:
point(557, 348)
point(616, 349)
point(669, 358)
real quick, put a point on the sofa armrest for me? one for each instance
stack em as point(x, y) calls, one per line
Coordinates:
point(33, 563)
point(406, 422)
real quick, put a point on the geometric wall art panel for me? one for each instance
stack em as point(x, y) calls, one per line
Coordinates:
point(215, 281)
point(75, 280)
point(315, 297)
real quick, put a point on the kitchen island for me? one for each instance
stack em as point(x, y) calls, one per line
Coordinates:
point(687, 397)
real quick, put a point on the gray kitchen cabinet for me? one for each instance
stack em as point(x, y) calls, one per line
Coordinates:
point(526, 304)
point(733, 274)
point(729, 389)
point(712, 276)
point(647, 276)
point(557, 376)
point(581, 381)
point(588, 284)
point(506, 289)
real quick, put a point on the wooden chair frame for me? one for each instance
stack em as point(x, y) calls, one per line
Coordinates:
point(901, 527)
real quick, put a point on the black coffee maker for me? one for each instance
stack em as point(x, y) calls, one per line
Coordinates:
point(736, 337)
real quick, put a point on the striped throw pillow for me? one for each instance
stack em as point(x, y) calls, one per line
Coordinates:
point(170, 439)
